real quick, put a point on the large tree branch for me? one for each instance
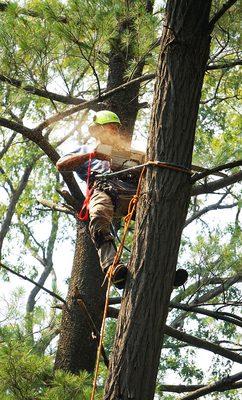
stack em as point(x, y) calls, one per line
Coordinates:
point(36, 137)
point(214, 314)
point(220, 13)
point(215, 185)
point(202, 344)
point(225, 285)
point(226, 65)
point(217, 291)
point(76, 100)
point(33, 135)
point(88, 104)
point(216, 206)
point(223, 316)
point(219, 168)
point(191, 388)
point(40, 92)
point(219, 386)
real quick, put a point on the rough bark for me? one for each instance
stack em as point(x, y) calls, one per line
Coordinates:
point(125, 103)
point(164, 202)
point(77, 348)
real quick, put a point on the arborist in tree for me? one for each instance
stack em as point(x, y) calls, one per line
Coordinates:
point(107, 199)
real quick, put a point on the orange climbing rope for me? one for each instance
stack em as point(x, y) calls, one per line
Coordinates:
point(127, 219)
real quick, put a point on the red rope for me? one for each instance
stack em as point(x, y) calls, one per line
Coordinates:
point(83, 214)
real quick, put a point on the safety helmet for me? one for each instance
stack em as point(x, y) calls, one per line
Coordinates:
point(105, 117)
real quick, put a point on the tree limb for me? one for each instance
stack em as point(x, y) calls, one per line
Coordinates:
point(220, 386)
point(13, 202)
point(41, 92)
point(211, 67)
point(191, 388)
point(33, 135)
point(88, 104)
point(75, 100)
point(214, 314)
point(215, 185)
point(202, 344)
point(220, 13)
point(36, 137)
point(8, 144)
point(54, 206)
point(225, 284)
point(219, 168)
point(33, 282)
point(215, 206)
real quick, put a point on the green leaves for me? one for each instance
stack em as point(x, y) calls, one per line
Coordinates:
point(69, 387)
point(22, 373)
point(25, 375)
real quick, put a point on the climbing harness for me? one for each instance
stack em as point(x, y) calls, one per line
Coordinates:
point(84, 212)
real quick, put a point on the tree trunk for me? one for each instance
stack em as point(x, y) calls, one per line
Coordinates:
point(125, 103)
point(76, 347)
point(163, 204)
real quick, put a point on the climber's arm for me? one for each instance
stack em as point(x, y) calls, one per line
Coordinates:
point(72, 161)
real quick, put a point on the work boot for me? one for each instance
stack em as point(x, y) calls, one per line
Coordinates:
point(180, 277)
point(119, 276)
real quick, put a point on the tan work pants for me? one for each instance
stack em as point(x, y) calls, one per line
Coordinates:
point(101, 213)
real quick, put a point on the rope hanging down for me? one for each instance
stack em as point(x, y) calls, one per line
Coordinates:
point(127, 220)
point(83, 214)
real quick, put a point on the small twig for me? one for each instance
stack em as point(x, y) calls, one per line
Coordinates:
point(33, 282)
point(54, 206)
point(69, 199)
